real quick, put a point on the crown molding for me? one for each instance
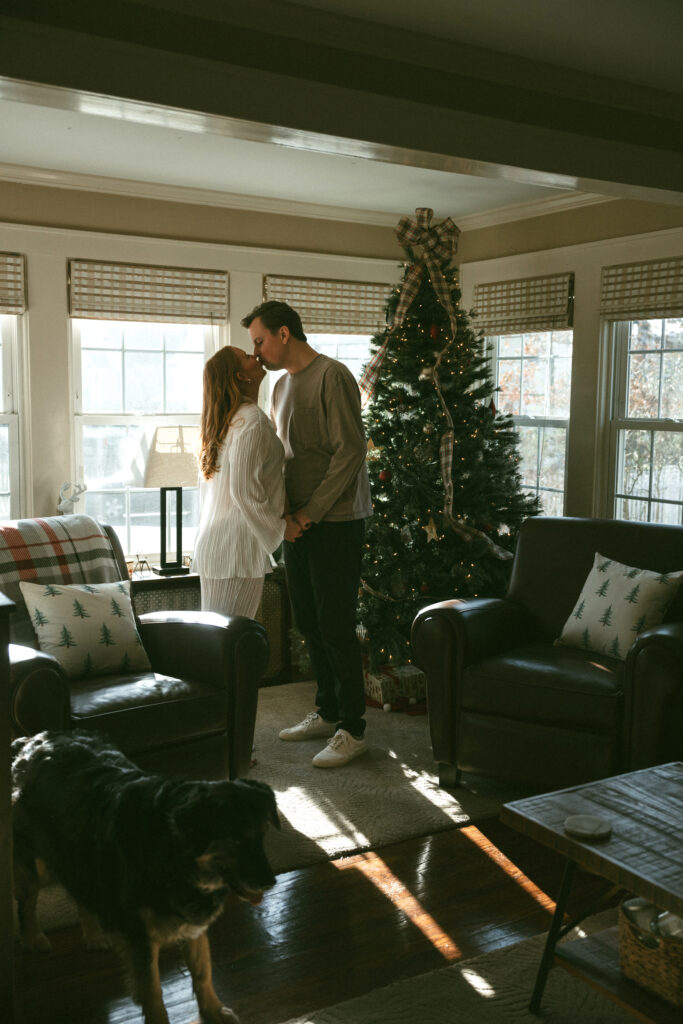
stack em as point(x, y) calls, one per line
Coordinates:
point(535, 208)
point(26, 175)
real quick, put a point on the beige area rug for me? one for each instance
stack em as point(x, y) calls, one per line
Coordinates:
point(491, 989)
point(389, 794)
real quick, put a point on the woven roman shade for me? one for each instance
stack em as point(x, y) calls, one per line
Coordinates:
point(632, 291)
point(12, 283)
point(331, 307)
point(529, 304)
point(129, 291)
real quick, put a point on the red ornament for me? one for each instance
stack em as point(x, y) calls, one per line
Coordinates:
point(433, 332)
point(423, 588)
point(492, 408)
point(385, 475)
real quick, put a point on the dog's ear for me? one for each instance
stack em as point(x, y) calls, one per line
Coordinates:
point(268, 797)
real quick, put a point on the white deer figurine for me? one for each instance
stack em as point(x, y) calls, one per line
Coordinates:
point(66, 504)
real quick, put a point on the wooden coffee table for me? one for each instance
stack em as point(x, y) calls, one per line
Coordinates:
point(643, 855)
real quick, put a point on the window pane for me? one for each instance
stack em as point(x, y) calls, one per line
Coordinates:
point(100, 333)
point(635, 511)
point(667, 466)
point(351, 349)
point(534, 388)
point(552, 457)
point(645, 335)
point(529, 440)
point(673, 333)
point(536, 345)
point(113, 456)
point(633, 462)
point(184, 338)
point(552, 503)
point(643, 385)
point(665, 513)
point(510, 383)
point(143, 336)
point(672, 385)
point(108, 507)
point(510, 346)
point(102, 381)
point(144, 382)
point(184, 382)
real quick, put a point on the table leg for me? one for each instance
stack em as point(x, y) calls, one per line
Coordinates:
point(553, 935)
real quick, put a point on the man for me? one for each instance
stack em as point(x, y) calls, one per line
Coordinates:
point(316, 411)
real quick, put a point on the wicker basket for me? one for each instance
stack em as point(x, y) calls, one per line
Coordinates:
point(658, 969)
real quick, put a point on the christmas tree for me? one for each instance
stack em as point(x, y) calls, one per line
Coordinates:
point(443, 463)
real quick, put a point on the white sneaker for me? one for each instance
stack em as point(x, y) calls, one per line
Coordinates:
point(312, 727)
point(341, 749)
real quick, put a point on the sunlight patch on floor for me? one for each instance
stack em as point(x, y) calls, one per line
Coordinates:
point(479, 984)
point(427, 786)
point(376, 871)
point(472, 833)
point(308, 816)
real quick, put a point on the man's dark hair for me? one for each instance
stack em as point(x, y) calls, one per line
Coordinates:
point(274, 315)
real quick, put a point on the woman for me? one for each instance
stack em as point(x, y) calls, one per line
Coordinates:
point(241, 487)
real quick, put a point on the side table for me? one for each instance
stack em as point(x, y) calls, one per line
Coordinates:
point(643, 855)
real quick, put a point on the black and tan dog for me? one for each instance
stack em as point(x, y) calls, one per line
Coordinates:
point(147, 859)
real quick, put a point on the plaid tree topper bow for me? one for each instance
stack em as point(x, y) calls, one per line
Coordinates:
point(438, 244)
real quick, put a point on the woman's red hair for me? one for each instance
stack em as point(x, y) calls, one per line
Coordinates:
point(221, 400)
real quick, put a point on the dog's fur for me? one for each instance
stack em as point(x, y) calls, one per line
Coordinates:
point(148, 859)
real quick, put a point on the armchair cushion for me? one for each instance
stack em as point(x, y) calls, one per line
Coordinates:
point(88, 627)
point(616, 604)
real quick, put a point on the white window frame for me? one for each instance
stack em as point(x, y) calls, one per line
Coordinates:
point(618, 338)
point(214, 338)
point(520, 420)
point(10, 330)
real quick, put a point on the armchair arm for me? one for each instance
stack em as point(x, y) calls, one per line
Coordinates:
point(451, 634)
point(203, 645)
point(228, 651)
point(653, 719)
point(39, 692)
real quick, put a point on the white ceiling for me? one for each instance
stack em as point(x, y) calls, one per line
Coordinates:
point(142, 148)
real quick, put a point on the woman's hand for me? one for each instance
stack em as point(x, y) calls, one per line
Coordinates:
point(292, 529)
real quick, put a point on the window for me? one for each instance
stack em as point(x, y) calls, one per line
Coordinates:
point(647, 420)
point(533, 372)
point(132, 377)
point(9, 420)
point(353, 350)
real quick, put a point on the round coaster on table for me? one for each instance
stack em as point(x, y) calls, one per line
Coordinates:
point(587, 826)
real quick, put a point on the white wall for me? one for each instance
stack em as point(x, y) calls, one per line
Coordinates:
point(589, 413)
point(46, 409)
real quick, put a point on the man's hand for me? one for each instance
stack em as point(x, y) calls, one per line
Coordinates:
point(304, 521)
point(292, 529)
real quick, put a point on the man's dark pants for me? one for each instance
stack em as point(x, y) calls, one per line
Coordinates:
point(323, 576)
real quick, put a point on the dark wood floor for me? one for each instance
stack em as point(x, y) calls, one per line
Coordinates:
point(329, 932)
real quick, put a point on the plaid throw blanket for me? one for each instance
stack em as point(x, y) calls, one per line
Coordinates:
point(57, 549)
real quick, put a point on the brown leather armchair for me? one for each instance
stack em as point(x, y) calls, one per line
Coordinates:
point(193, 715)
point(505, 702)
